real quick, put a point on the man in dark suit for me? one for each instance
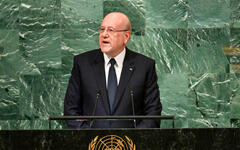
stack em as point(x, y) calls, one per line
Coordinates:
point(113, 81)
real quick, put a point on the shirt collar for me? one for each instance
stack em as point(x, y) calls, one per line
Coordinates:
point(119, 58)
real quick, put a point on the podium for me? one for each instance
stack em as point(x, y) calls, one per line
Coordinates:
point(142, 139)
point(121, 139)
point(92, 118)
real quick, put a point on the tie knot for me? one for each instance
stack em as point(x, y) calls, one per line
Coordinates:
point(112, 61)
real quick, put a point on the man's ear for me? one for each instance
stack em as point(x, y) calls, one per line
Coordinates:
point(127, 36)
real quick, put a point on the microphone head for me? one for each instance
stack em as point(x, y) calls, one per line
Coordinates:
point(98, 91)
point(130, 89)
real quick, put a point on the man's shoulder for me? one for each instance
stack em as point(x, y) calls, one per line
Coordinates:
point(88, 56)
point(89, 53)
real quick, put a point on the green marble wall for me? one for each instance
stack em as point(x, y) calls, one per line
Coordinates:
point(196, 44)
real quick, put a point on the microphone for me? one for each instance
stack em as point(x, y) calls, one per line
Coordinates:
point(133, 108)
point(95, 107)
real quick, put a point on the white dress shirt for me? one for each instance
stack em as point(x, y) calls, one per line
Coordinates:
point(118, 66)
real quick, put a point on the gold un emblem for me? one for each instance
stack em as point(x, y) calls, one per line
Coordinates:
point(111, 142)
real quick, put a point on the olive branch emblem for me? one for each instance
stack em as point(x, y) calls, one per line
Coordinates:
point(93, 143)
point(111, 142)
point(130, 143)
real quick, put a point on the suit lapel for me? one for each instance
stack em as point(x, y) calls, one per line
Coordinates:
point(127, 71)
point(99, 73)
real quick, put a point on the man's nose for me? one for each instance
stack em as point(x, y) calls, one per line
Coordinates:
point(105, 33)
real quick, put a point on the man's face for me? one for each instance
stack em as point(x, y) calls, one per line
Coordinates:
point(111, 42)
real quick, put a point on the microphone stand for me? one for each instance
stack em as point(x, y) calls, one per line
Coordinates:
point(133, 108)
point(94, 109)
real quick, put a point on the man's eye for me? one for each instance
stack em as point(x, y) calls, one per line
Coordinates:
point(111, 30)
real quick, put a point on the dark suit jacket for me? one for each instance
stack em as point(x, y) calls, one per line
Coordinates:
point(88, 79)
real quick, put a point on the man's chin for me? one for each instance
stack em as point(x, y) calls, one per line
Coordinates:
point(105, 50)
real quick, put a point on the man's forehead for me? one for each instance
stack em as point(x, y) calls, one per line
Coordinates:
point(111, 22)
point(106, 26)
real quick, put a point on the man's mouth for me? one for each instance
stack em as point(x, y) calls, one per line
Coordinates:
point(106, 42)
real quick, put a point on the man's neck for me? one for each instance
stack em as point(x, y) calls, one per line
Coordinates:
point(115, 55)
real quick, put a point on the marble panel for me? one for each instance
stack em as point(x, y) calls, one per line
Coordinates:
point(9, 98)
point(205, 50)
point(166, 46)
point(167, 14)
point(235, 13)
point(74, 42)
point(41, 96)
point(12, 62)
point(212, 96)
point(81, 14)
point(209, 13)
point(41, 48)
point(9, 14)
point(38, 15)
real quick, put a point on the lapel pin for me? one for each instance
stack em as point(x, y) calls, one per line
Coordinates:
point(131, 69)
